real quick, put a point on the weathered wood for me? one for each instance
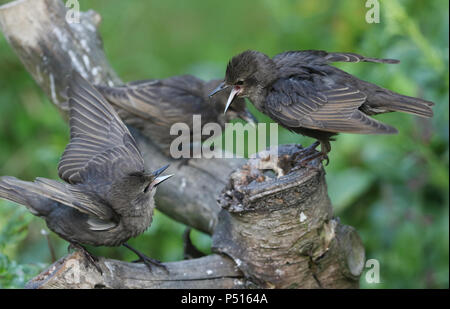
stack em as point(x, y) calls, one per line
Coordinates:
point(72, 271)
point(279, 231)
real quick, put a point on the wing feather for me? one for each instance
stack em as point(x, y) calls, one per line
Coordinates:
point(95, 129)
point(162, 101)
point(333, 110)
point(63, 193)
point(321, 56)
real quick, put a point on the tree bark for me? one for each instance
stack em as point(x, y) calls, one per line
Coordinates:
point(72, 271)
point(268, 231)
point(281, 231)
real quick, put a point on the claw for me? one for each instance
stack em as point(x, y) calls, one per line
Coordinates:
point(304, 162)
point(149, 262)
point(306, 151)
point(325, 158)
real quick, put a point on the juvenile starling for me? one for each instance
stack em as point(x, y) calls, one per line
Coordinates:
point(303, 93)
point(107, 195)
point(160, 103)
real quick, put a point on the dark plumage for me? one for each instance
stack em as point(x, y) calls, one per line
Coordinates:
point(303, 93)
point(107, 195)
point(158, 104)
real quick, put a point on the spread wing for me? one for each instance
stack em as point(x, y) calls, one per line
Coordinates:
point(163, 102)
point(321, 56)
point(101, 148)
point(296, 102)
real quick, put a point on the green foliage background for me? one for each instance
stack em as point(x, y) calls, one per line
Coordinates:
point(393, 189)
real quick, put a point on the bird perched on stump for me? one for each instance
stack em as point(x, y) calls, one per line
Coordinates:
point(306, 95)
point(158, 104)
point(107, 195)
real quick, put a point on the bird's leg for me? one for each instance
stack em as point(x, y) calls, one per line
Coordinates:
point(145, 259)
point(89, 257)
point(190, 251)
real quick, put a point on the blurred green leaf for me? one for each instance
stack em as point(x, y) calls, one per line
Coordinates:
point(348, 186)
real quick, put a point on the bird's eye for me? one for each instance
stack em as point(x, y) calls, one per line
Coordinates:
point(146, 188)
point(240, 82)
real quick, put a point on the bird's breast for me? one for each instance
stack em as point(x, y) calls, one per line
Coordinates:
point(138, 217)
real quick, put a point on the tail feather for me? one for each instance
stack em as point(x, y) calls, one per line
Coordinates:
point(9, 191)
point(411, 105)
point(25, 193)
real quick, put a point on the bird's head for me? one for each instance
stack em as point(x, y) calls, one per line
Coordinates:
point(237, 110)
point(247, 74)
point(140, 186)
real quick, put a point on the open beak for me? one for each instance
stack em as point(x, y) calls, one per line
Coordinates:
point(248, 117)
point(160, 171)
point(160, 179)
point(221, 87)
point(236, 90)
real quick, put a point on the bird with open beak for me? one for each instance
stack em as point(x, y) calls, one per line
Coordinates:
point(153, 106)
point(107, 194)
point(303, 93)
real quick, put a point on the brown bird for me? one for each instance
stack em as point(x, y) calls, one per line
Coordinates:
point(303, 93)
point(160, 103)
point(107, 195)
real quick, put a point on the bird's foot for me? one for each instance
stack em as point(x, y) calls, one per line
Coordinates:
point(306, 151)
point(92, 259)
point(311, 156)
point(149, 262)
point(318, 155)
